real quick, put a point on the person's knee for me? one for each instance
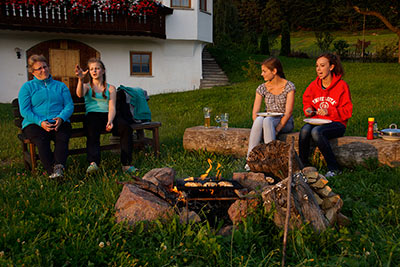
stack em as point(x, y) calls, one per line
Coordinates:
point(316, 134)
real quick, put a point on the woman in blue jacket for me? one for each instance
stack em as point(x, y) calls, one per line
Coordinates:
point(46, 106)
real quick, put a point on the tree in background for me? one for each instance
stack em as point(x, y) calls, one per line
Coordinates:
point(226, 22)
point(264, 42)
point(388, 14)
point(285, 40)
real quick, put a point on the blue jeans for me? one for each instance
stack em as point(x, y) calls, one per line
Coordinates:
point(320, 134)
point(265, 127)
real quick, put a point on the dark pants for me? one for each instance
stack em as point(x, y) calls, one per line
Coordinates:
point(42, 138)
point(95, 123)
point(320, 135)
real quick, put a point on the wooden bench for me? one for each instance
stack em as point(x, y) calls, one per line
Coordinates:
point(30, 156)
point(349, 150)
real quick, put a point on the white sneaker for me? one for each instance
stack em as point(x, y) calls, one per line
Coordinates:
point(246, 167)
point(58, 172)
point(331, 174)
point(92, 168)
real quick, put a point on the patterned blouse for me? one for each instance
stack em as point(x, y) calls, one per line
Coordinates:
point(275, 103)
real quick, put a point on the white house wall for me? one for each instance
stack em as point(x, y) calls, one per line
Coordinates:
point(190, 23)
point(176, 64)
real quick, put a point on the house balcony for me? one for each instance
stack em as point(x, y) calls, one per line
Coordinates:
point(92, 21)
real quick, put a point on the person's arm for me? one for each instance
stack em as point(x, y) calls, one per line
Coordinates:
point(68, 109)
point(111, 107)
point(256, 105)
point(288, 111)
point(307, 102)
point(344, 109)
point(25, 106)
point(81, 88)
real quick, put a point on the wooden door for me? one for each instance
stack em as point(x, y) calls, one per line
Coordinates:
point(62, 64)
point(63, 55)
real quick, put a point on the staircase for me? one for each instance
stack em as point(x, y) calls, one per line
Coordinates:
point(213, 75)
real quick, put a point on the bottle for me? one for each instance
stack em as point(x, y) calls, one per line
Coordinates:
point(376, 132)
point(370, 133)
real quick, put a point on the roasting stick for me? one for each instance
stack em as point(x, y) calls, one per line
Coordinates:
point(289, 192)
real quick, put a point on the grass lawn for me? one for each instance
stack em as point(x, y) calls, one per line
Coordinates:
point(306, 40)
point(48, 223)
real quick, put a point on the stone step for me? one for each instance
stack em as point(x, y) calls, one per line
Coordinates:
point(213, 75)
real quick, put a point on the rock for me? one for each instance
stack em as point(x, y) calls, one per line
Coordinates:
point(161, 176)
point(191, 216)
point(250, 180)
point(135, 205)
point(241, 208)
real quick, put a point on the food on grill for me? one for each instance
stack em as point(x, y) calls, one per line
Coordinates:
point(193, 184)
point(225, 184)
point(189, 179)
point(210, 184)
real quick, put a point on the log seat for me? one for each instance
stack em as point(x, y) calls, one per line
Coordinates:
point(349, 150)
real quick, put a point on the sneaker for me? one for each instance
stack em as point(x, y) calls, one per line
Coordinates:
point(58, 172)
point(92, 168)
point(246, 167)
point(332, 174)
point(129, 169)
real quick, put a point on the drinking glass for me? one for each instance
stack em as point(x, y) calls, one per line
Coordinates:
point(207, 113)
point(218, 120)
point(224, 120)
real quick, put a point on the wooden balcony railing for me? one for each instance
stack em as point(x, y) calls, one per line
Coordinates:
point(60, 19)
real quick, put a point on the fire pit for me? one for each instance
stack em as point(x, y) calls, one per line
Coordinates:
point(211, 201)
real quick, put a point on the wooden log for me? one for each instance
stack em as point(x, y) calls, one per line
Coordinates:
point(320, 183)
point(349, 150)
point(307, 205)
point(271, 159)
point(304, 207)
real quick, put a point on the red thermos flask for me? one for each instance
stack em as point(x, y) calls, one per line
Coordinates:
point(370, 134)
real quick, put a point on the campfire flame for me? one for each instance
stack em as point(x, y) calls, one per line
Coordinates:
point(180, 194)
point(204, 176)
point(218, 175)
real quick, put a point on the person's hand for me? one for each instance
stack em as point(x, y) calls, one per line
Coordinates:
point(310, 111)
point(58, 123)
point(109, 126)
point(322, 112)
point(80, 73)
point(47, 126)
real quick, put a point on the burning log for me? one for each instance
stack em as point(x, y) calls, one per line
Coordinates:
point(272, 159)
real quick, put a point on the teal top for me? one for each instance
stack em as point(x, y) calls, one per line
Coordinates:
point(97, 103)
point(41, 100)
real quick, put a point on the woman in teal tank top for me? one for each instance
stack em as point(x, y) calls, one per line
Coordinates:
point(100, 103)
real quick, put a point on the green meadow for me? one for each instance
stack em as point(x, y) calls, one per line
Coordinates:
point(72, 223)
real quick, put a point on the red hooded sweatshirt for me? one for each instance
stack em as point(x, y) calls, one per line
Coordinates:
point(336, 98)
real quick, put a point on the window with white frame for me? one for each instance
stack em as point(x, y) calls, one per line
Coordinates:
point(140, 63)
point(180, 3)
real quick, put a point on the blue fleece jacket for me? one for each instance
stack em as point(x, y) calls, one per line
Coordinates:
point(41, 100)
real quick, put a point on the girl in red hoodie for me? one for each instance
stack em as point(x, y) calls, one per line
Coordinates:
point(327, 97)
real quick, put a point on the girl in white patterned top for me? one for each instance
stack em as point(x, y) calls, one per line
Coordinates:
point(278, 94)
